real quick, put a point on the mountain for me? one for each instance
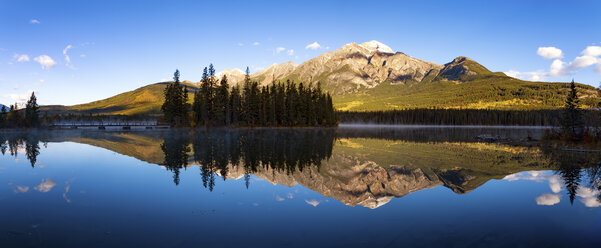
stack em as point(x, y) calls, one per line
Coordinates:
point(2, 105)
point(371, 76)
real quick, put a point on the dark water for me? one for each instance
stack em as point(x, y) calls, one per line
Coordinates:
point(346, 187)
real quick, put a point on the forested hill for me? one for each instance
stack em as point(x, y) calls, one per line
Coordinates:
point(146, 100)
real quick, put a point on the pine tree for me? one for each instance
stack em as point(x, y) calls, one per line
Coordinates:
point(175, 107)
point(246, 98)
point(3, 114)
point(235, 105)
point(32, 111)
point(221, 103)
point(206, 93)
point(572, 122)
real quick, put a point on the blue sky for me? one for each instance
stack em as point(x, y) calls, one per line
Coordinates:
point(117, 46)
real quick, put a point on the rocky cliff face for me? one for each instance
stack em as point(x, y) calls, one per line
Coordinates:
point(274, 73)
point(355, 66)
point(234, 76)
point(362, 66)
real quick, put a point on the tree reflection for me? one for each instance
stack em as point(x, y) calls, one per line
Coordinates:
point(12, 142)
point(175, 148)
point(32, 149)
point(573, 166)
point(219, 151)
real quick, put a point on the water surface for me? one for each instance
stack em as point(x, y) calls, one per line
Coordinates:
point(346, 187)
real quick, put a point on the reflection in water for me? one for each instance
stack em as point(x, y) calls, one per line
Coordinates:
point(14, 141)
point(349, 165)
point(285, 151)
point(576, 172)
point(175, 148)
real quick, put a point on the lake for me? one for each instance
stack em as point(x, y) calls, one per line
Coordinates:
point(345, 187)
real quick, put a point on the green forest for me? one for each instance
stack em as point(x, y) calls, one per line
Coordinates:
point(216, 104)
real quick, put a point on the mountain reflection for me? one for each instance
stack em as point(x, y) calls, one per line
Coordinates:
point(356, 167)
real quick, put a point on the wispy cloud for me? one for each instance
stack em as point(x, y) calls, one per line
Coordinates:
point(313, 46)
point(280, 49)
point(256, 43)
point(240, 44)
point(34, 21)
point(21, 57)
point(67, 58)
point(290, 52)
point(46, 61)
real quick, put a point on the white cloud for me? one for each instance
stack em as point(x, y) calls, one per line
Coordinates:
point(240, 44)
point(290, 52)
point(594, 51)
point(34, 21)
point(67, 58)
point(279, 198)
point(256, 43)
point(82, 55)
point(46, 61)
point(583, 61)
point(557, 68)
point(21, 57)
point(548, 199)
point(45, 186)
point(313, 46)
point(550, 52)
point(539, 75)
point(20, 99)
point(591, 56)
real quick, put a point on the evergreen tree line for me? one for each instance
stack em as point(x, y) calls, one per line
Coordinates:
point(13, 117)
point(550, 117)
point(217, 104)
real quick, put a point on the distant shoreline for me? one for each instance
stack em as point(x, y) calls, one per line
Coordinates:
point(362, 125)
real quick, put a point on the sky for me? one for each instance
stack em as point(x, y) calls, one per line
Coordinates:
point(72, 52)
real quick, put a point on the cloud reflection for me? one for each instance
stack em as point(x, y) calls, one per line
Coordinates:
point(46, 185)
point(313, 203)
point(548, 199)
point(588, 196)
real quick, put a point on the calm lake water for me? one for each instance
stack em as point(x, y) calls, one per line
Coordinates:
point(345, 187)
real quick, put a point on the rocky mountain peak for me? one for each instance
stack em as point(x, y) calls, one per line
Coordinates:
point(362, 66)
point(462, 69)
point(374, 46)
